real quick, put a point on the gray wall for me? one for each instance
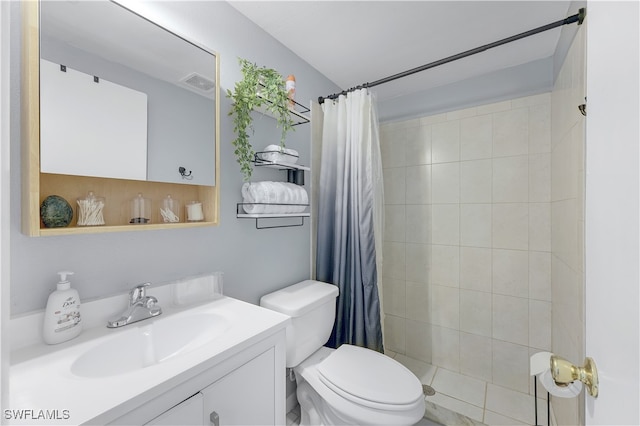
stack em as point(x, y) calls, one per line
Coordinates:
point(255, 262)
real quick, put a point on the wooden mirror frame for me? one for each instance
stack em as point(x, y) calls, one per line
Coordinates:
point(36, 186)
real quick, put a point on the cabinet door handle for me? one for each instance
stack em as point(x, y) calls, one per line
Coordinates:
point(214, 418)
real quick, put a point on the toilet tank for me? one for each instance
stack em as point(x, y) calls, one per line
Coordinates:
point(312, 308)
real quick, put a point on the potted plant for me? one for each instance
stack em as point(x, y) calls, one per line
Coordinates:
point(259, 87)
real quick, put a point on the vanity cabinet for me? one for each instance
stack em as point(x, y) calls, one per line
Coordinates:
point(242, 397)
point(246, 389)
point(187, 413)
point(37, 184)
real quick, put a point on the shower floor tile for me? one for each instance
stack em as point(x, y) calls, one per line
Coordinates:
point(466, 400)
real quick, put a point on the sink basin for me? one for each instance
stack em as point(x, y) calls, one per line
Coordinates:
point(149, 344)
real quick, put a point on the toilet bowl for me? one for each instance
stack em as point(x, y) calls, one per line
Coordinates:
point(348, 385)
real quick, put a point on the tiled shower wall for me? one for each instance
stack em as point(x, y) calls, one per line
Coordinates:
point(467, 243)
point(567, 218)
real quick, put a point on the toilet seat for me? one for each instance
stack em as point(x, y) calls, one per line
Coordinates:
point(336, 406)
point(369, 378)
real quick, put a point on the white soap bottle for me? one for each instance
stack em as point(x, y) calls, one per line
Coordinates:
point(62, 317)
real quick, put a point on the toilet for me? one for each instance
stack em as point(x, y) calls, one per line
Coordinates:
point(348, 385)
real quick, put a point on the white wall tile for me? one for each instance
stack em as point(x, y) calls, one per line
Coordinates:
point(460, 409)
point(511, 132)
point(424, 371)
point(494, 107)
point(532, 100)
point(460, 386)
point(511, 179)
point(394, 222)
point(475, 225)
point(418, 184)
point(445, 351)
point(510, 403)
point(540, 178)
point(475, 312)
point(445, 142)
point(511, 319)
point(445, 224)
point(418, 340)
point(540, 226)
point(393, 263)
point(511, 272)
point(418, 146)
point(433, 119)
point(476, 137)
point(418, 262)
point(511, 366)
point(476, 179)
point(565, 227)
point(495, 419)
point(540, 128)
point(445, 265)
point(392, 147)
point(511, 226)
point(445, 180)
point(540, 324)
point(461, 113)
point(476, 356)
point(445, 306)
point(540, 275)
point(394, 296)
point(394, 329)
point(475, 268)
point(469, 264)
point(418, 223)
point(394, 185)
point(418, 302)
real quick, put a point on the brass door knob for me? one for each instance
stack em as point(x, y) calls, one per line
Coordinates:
point(564, 372)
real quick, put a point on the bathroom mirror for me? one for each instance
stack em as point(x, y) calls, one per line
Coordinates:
point(152, 116)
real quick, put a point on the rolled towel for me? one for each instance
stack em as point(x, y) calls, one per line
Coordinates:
point(249, 196)
point(279, 154)
point(273, 197)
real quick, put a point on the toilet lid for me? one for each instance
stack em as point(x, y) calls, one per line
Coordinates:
point(363, 374)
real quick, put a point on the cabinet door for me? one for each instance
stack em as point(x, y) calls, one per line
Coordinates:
point(245, 396)
point(187, 413)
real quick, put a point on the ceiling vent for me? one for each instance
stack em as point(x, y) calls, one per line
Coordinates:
point(199, 82)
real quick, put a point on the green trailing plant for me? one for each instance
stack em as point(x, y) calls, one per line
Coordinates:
point(259, 87)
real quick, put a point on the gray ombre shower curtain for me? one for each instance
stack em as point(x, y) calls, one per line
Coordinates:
point(349, 220)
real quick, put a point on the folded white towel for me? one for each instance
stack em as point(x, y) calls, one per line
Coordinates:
point(280, 197)
point(279, 154)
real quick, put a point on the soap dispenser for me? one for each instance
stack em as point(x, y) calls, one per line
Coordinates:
point(62, 317)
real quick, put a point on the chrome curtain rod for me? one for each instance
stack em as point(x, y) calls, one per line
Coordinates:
point(578, 17)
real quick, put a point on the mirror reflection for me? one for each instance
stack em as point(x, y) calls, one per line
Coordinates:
point(122, 97)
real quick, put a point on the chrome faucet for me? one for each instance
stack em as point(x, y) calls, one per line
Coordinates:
point(140, 307)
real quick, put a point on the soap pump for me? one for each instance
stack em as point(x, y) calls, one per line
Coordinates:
point(62, 320)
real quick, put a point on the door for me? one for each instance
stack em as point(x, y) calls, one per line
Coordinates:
point(188, 412)
point(245, 396)
point(611, 215)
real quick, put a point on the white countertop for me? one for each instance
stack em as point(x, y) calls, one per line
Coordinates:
point(41, 377)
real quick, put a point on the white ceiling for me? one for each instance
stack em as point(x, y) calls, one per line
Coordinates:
point(354, 42)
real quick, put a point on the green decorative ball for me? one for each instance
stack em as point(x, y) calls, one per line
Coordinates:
point(55, 212)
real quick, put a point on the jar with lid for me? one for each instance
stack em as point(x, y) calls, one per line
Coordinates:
point(170, 210)
point(140, 210)
point(90, 210)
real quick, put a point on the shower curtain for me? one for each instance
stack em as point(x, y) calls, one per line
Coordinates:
point(350, 217)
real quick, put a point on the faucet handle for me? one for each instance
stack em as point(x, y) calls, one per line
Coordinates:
point(138, 292)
